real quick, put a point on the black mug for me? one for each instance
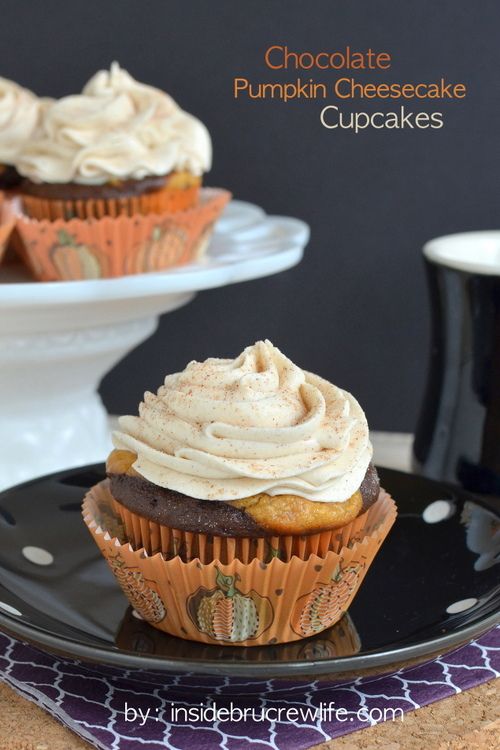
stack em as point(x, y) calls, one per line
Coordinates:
point(458, 433)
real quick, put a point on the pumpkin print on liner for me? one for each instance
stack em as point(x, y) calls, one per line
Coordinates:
point(73, 260)
point(225, 614)
point(141, 596)
point(166, 247)
point(114, 246)
point(202, 243)
point(327, 603)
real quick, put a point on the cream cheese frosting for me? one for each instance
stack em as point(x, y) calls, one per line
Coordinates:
point(225, 429)
point(117, 128)
point(20, 112)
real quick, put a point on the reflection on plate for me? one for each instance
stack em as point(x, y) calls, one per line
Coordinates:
point(137, 636)
point(482, 534)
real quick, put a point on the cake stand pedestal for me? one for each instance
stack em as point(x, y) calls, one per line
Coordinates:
point(59, 339)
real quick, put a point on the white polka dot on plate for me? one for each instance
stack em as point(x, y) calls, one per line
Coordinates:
point(10, 610)
point(438, 511)
point(461, 606)
point(37, 555)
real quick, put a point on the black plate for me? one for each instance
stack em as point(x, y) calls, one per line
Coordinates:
point(73, 605)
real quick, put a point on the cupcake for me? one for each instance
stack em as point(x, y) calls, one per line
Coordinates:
point(120, 147)
point(20, 115)
point(250, 484)
point(112, 184)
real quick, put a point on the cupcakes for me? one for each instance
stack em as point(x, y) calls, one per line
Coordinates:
point(112, 184)
point(119, 148)
point(20, 115)
point(243, 499)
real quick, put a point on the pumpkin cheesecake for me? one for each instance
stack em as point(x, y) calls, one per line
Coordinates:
point(241, 506)
point(121, 147)
point(256, 516)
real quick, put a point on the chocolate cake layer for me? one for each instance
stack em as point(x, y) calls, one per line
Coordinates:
point(9, 177)
point(216, 517)
point(72, 191)
point(370, 487)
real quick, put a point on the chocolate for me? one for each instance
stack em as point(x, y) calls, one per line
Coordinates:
point(9, 177)
point(180, 511)
point(216, 517)
point(72, 191)
point(370, 487)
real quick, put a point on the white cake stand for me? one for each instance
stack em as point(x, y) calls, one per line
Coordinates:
point(58, 339)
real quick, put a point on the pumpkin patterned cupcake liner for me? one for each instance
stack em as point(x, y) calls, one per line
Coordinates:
point(154, 537)
point(236, 603)
point(117, 246)
point(7, 223)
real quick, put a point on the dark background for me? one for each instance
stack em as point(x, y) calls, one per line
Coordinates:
point(355, 310)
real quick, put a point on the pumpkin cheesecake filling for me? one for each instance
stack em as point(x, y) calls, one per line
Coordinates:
point(258, 515)
point(120, 147)
point(245, 506)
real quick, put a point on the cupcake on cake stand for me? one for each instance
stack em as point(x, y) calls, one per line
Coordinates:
point(59, 339)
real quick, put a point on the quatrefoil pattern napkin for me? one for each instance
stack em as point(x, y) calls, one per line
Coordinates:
point(116, 709)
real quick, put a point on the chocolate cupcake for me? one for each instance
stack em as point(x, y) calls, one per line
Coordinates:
point(20, 115)
point(112, 184)
point(246, 448)
point(241, 505)
point(119, 148)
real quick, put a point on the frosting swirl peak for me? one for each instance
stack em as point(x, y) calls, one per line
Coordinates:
point(227, 429)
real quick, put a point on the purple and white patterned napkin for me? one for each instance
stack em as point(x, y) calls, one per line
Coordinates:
point(116, 709)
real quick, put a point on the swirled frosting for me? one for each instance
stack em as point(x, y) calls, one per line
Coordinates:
point(116, 81)
point(226, 429)
point(20, 112)
point(116, 129)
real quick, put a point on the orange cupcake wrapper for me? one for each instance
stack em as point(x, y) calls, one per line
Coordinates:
point(7, 223)
point(154, 537)
point(236, 603)
point(109, 247)
point(165, 200)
